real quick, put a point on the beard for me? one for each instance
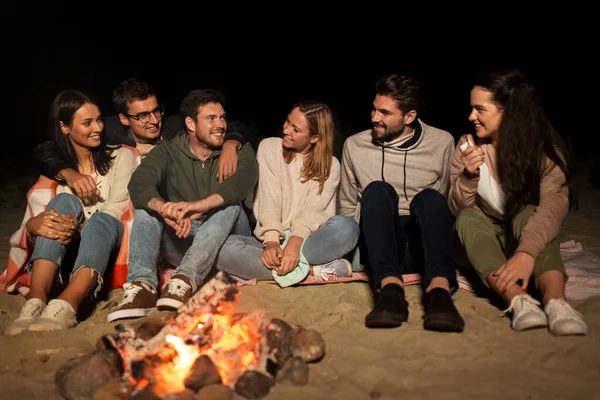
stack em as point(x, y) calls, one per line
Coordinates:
point(210, 141)
point(387, 135)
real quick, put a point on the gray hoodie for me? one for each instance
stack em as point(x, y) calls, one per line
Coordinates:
point(410, 164)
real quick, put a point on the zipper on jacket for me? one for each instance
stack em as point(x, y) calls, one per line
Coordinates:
point(203, 164)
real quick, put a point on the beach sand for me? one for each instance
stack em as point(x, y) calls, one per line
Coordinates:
point(487, 361)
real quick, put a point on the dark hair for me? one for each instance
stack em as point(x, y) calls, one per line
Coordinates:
point(526, 137)
point(128, 91)
point(405, 90)
point(64, 107)
point(199, 97)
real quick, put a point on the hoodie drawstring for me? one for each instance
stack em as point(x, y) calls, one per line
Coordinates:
point(404, 169)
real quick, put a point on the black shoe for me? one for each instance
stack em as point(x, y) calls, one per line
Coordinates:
point(391, 308)
point(440, 312)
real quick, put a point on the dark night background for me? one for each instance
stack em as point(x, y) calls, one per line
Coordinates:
point(262, 78)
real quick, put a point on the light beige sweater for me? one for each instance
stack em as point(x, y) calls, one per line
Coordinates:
point(114, 196)
point(423, 159)
point(283, 202)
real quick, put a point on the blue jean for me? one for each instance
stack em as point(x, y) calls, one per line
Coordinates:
point(100, 237)
point(240, 255)
point(193, 256)
point(421, 242)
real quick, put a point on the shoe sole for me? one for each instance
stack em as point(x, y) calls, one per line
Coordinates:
point(385, 319)
point(124, 314)
point(168, 304)
point(443, 324)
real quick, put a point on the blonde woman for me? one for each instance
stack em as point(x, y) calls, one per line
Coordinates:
point(297, 230)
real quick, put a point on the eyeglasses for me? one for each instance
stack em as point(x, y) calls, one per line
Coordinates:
point(144, 117)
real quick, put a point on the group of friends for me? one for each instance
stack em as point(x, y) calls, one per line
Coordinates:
point(404, 198)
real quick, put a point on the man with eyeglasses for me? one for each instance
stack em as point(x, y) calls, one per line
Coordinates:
point(138, 123)
point(182, 213)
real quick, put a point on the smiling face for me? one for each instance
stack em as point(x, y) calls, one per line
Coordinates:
point(485, 114)
point(389, 122)
point(85, 129)
point(208, 129)
point(144, 119)
point(296, 133)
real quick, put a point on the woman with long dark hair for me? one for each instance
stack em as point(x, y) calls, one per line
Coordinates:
point(511, 188)
point(92, 230)
point(297, 229)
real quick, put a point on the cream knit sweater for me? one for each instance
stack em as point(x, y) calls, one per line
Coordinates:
point(283, 202)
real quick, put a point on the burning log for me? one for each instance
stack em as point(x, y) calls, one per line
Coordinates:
point(206, 348)
point(217, 292)
point(203, 373)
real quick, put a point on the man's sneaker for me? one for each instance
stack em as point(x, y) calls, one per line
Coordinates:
point(339, 267)
point(526, 313)
point(30, 311)
point(176, 293)
point(391, 308)
point(563, 319)
point(441, 313)
point(139, 299)
point(57, 315)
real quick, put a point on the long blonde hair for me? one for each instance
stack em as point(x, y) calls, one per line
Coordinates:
point(317, 163)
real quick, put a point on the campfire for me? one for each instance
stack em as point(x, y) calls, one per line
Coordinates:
point(205, 351)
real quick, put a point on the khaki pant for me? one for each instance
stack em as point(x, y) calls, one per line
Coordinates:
point(488, 244)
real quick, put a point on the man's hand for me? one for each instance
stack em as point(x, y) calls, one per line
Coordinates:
point(271, 255)
point(228, 160)
point(83, 185)
point(518, 267)
point(291, 255)
point(51, 225)
point(182, 228)
point(191, 210)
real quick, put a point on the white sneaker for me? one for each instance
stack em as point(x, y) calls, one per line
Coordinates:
point(57, 315)
point(526, 313)
point(30, 311)
point(564, 319)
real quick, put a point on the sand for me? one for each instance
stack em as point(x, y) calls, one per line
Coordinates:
point(487, 361)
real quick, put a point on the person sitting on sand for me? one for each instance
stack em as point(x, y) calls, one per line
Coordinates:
point(92, 229)
point(511, 188)
point(395, 177)
point(296, 230)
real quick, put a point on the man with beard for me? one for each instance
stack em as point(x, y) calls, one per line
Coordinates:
point(394, 182)
point(139, 123)
point(182, 212)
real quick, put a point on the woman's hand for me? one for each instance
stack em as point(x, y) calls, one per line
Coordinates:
point(472, 158)
point(518, 267)
point(291, 255)
point(271, 255)
point(51, 225)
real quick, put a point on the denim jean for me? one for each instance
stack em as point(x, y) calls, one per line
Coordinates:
point(240, 255)
point(421, 242)
point(193, 256)
point(100, 237)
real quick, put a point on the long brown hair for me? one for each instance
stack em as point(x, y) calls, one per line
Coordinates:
point(526, 138)
point(317, 163)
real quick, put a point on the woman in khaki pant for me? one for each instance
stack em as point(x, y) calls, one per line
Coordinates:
point(510, 190)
